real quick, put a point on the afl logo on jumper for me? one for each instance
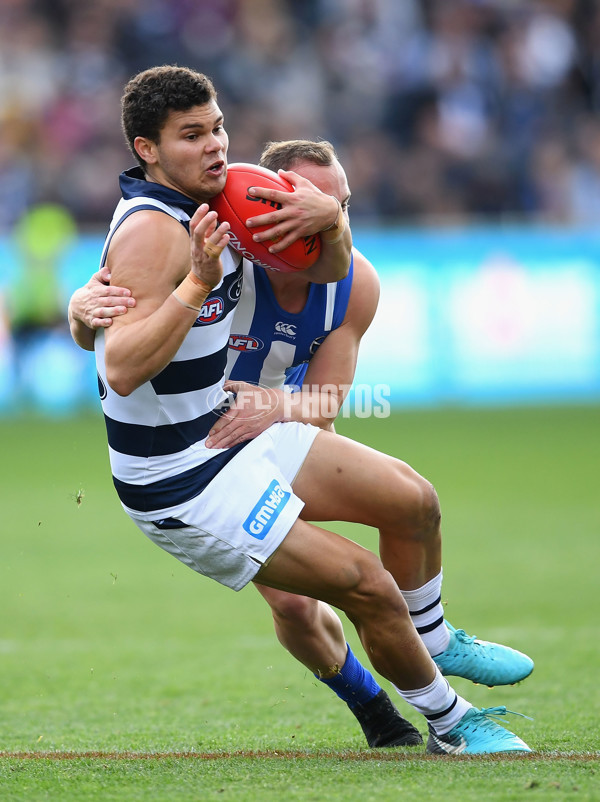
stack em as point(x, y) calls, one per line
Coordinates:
point(267, 510)
point(243, 342)
point(211, 310)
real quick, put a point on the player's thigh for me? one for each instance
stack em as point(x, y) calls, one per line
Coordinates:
point(324, 565)
point(342, 480)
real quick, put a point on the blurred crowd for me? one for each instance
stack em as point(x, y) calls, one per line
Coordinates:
point(440, 110)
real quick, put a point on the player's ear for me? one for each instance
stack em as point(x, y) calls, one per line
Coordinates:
point(146, 149)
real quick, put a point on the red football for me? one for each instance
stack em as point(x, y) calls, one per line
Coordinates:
point(235, 206)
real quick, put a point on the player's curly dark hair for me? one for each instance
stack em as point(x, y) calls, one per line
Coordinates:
point(152, 94)
point(284, 155)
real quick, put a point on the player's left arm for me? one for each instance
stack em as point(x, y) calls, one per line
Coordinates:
point(328, 377)
point(304, 212)
point(330, 372)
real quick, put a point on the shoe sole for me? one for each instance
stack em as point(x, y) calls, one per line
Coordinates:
point(506, 684)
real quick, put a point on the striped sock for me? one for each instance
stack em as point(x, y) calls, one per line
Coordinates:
point(427, 613)
point(439, 703)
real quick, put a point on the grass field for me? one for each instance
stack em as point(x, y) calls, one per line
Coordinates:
point(125, 676)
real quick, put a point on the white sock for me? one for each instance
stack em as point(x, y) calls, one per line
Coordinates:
point(427, 613)
point(439, 703)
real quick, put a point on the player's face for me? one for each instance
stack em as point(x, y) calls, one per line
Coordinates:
point(191, 156)
point(329, 179)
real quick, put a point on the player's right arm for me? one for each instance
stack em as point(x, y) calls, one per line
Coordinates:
point(94, 306)
point(152, 254)
point(301, 213)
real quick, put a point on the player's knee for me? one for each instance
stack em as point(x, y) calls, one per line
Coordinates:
point(297, 610)
point(430, 514)
point(417, 506)
point(375, 592)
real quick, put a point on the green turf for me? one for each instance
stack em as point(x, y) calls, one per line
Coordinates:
point(109, 647)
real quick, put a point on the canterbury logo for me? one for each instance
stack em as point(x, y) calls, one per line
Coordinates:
point(285, 328)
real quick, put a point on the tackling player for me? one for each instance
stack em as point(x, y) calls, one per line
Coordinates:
point(298, 325)
point(385, 493)
point(305, 333)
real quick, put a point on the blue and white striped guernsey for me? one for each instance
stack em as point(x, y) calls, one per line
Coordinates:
point(272, 347)
point(156, 435)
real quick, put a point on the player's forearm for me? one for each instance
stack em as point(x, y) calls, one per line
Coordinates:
point(137, 352)
point(83, 336)
point(333, 263)
point(318, 407)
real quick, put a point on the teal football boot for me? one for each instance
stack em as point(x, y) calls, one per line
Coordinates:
point(477, 734)
point(482, 662)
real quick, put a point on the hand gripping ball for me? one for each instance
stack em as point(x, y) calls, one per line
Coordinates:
point(235, 206)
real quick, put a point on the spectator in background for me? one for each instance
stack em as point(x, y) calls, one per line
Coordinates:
point(35, 300)
point(34, 297)
point(455, 99)
point(6, 360)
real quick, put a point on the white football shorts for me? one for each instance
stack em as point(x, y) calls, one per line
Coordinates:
point(232, 528)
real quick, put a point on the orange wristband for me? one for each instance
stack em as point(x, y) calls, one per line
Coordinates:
point(192, 292)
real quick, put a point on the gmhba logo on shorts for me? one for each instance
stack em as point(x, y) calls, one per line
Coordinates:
point(266, 512)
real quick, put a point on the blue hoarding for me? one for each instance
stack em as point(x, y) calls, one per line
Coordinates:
point(471, 316)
